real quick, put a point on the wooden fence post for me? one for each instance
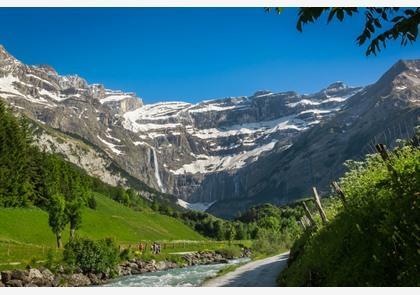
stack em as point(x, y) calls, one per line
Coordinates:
point(339, 192)
point(381, 149)
point(318, 204)
point(302, 223)
point(308, 214)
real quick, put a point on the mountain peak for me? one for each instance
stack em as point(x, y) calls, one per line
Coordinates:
point(4, 54)
point(262, 92)
point(398, 68)
point(338, 85)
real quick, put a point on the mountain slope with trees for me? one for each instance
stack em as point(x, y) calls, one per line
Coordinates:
point(67, 197)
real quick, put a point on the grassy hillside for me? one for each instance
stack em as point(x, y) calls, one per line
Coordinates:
point(109, 219)
point(25, 233)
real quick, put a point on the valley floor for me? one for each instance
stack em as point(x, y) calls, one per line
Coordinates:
point(260, 273)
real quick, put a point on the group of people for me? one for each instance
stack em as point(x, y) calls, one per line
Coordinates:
point(155, 247)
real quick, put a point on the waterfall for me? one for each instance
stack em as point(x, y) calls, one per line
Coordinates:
point(156, 164)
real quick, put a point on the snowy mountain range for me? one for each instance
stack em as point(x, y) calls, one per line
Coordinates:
point(211, 153)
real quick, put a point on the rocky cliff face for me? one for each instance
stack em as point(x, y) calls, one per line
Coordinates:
point(380, 113)
point(214, 150)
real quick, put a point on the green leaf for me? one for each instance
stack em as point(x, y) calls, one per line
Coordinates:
point(340, 15)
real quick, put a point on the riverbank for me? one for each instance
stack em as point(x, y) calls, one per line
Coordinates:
point(43, 277)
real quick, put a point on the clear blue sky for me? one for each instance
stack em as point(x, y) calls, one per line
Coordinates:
point(193, 54)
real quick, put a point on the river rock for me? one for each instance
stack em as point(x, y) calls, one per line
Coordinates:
point(150, 267)
point(161, 265)
point(94, 279)
point(21, 275)
point(140, 264)
point(124, 271)
point(35, 274)
point(60, 269)
point(171, 265)
point(14, 283)
point(33, 285)
point(138, 271)
point(78, 280)
point(101, 276)
point(48, 275)
point(6, 276)
point(57, 281)
point(40, 282)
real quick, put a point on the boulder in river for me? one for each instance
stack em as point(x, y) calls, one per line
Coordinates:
point(78, 280)
point(161, 265)
point(14, 283)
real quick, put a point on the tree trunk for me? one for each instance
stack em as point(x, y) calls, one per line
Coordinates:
point(59, 244)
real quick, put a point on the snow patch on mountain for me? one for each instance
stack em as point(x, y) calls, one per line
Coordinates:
point(215, 108)
point(264, 127)
point(111, 146)
point(194, 206)
point(207, 164)
point(6, 84)
point(157, 111)
point(112, 97)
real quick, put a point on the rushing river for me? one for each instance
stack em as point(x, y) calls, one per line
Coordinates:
point(179, 277)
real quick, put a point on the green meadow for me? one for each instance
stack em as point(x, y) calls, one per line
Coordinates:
point(25, 234)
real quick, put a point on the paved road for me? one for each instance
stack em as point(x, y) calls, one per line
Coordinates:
point(260, 273)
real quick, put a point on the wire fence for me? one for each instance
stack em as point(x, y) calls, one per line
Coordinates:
point(183, 246)
point(18, 253)
point(14, 254)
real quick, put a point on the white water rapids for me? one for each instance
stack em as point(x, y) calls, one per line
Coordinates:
point(179, 277)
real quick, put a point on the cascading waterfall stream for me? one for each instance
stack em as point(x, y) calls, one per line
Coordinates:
point(157, 175)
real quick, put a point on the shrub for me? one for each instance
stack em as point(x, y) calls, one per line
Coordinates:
point(92, 256)
point(269, 242)
point(50, 259)
point(91, 202)
point(126, 254)
point(230, 252)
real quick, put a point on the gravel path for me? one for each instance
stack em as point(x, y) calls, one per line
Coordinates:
point(259, 273)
